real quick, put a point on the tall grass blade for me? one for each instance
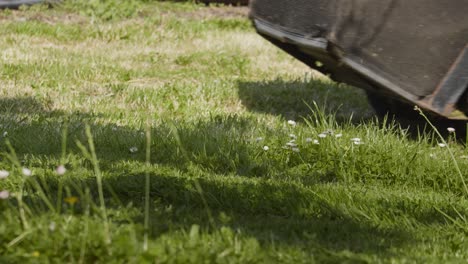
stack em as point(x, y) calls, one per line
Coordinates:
point(62, 161)
point(86, 227)
point(97, 172)
point(457, 167)
point(147, 186)
point(19, 197)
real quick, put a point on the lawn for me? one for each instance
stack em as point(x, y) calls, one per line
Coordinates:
point(169, 132)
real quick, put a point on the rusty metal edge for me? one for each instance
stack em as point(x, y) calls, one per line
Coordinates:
point(291, 37)
point(451, 88)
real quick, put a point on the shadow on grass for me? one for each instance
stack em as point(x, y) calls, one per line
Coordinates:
point(295, 99)
point(274, 212)
point(278, 215)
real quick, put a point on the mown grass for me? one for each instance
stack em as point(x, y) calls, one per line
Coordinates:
point(214, 95)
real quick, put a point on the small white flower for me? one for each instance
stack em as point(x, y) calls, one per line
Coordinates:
point(292, 136)
point(266, 148)
point(133, 149)
point(450, 129)
point(295, 149)
point(26, 172)
point(442, 145)
point(61, 170)
point(291, 123)
point(5, 134)
point(358, 142)
point(291, 144)
point(4, 174)
point(52, 226)
point(259, 139)
point(322, 135)
point(308, 140)
point(338, 135)
point(4, 195)
point(356, 139)
point(316, 142)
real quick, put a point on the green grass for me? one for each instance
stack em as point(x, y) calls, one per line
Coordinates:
point(214, 95)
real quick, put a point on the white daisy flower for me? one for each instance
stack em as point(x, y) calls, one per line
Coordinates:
point(322, 135)
point(26, 172)
point(450, 129)
point(291, 123)
point(52, 226)
point(4, 174)
point(316, 142)
point(133, 149)
point(442, 145)
point(4, 195)
point(338, 135)
point(266, 148)
point(61, 170)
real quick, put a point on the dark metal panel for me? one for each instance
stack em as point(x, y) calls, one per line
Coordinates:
point(340, 67)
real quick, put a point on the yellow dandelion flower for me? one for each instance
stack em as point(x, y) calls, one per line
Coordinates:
point(71, 200)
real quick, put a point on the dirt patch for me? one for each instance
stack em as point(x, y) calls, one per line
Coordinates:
point(208, 12)
point(216, 12)
point(51, 19)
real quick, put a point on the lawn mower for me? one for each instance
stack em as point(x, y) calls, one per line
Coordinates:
point(403, 53)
